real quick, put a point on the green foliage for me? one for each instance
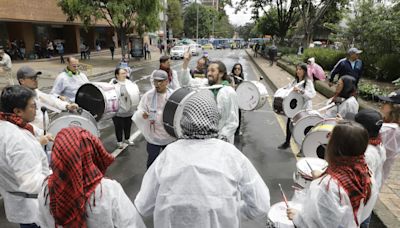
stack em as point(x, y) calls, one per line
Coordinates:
point(175, 19)
point(388, 66)
point(287, 50)
point(246, 31)
point(370, 91)
point(326, 58)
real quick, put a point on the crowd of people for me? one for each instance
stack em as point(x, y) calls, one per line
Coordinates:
point(195, 179)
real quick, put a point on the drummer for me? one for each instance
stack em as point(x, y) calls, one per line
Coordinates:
point(68, 82)
point(344, 98)
point(306, 90)
point(28, 78)
point(149, 116)
point(200, 181)
point(226, 96)
point(345, 194)
point(237, 75)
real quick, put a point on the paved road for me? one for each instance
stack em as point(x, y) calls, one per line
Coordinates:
point(262, 133)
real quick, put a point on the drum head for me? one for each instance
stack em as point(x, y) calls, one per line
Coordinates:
point(278, 215)
point(90, 97)
point(303, 126)
point(292, 104)
point(251, 95)
point(315, 142)
point(315, 163)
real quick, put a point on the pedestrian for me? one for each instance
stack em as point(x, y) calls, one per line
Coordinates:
point(68, 81)
point(28, 77)
point(128, 100)
point(149, 116)
point(50, 48)
point(146, 50)
point(124, 64)
point(200, 181)
point(256, 48)
point(315, 71)
point(224, 93)
point(272, 52)
point(23, 164)
point(351, 65)
point(237, 75)
point(5, 66)
point(307, 92)
point(390, 132)
point(112, 48)
point(201, 69)
point(77, 193)
point(87, 52)
point(165, 65)
point(22, 49)
point(345, 194)
point(60, 49)
point(344, 99)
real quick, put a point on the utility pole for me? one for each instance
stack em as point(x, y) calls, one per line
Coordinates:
point(165, 7)
point(197, 22)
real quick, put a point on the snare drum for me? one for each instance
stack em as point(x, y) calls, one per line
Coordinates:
point(173, 109)
point(252, 95)
point(303, 175)
point(99, 98)
point(315, 142)
point(302, 122)
point(80, 118)
point(278, 216)
point(287, 102)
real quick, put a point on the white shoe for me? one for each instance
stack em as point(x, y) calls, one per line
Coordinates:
point(120, 145)
point(130, 143)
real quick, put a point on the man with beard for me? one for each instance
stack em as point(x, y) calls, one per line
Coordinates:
point(225, 95)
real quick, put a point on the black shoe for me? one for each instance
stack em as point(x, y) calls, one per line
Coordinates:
point(284, 146)
point(300, 154)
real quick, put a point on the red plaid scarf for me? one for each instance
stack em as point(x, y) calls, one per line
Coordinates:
point(375, 141)
point(79, 162)
point(353, 175)
point(169, 72)
point(14, 119)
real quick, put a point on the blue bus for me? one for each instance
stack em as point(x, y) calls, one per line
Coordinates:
point(221, 43)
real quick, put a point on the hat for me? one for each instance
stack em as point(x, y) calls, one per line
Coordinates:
point(371, 120)
point(311, 60)
point(27, 72)
point(354, 50)
point(393, 97)
point(160, 75)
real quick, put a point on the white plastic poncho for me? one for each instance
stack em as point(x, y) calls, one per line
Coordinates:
point(23, 167)
point(321, 206)
point(66, 85)
point(112, 208)
point(309, 92)
point(390, 133)
point(201, 184)
point(375, 157)
point(173, 85)
point(226, 101)
point(153, 133)
point(350, 105)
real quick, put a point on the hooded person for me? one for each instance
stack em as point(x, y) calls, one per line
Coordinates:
point(315, 71)
point(200, 181)
point(77, 194)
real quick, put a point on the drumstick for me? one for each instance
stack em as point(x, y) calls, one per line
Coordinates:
point(309, 166)
point(283, 195)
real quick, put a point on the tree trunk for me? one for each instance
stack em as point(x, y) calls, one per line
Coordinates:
point(122, 36)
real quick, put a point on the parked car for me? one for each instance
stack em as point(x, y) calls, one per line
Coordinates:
point(207, 46)
point(178, 51)
point(195, 49)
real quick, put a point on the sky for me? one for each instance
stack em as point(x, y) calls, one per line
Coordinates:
point(238, 19)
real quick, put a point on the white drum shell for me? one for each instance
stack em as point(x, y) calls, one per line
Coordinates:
point(303, 120)
point(295, 98)
point(278, 215)
point(316, 164)
point(252, 95)
point(318, 135)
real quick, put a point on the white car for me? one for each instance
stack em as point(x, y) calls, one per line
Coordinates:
point(195, 49)
point(178, 51)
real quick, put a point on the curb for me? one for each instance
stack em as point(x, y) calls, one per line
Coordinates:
point(265, 76)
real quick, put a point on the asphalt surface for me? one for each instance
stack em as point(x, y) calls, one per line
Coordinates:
point(262, 133)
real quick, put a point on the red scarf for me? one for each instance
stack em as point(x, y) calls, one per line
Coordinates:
point(375, 141)
point(169, 72)
point(14, 119)
point(353, 175)
point(79, 162)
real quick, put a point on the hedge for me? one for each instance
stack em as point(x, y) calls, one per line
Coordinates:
point(325, 57)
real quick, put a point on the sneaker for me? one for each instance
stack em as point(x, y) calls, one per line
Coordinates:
point(120, 145)
point(284, 146)
point(130, 143)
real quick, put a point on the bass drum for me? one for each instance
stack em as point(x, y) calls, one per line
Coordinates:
point(99, 98)
point(287, 102)
point(302, 123)
point(279, 96)
point(173, 109)
point(80, 118)
point(315, 142)
point(251, 95)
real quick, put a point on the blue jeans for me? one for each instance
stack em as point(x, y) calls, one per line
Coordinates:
point(32, 225)
point(153, 151)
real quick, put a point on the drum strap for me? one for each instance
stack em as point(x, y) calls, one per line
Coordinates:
point(153, 110)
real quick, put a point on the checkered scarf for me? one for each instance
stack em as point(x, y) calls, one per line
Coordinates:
point(200, 116)
point(353, 175)
point(79, 162)
point(14, 119)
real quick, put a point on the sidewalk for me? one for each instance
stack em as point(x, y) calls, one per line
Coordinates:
point(99, 64)
point(387, 207)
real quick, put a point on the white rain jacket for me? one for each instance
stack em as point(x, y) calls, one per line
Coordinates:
point(133, 94)
point(23, 167)
point(174, 84)
point(309, 92)
point(51, 103)
point(154, 134)
point(350, 105)
point(113, 208)
point(226, 101)
point(390, 133)
point(201, 184)
point(66, 85)
point(375, 157)
point(322, 208)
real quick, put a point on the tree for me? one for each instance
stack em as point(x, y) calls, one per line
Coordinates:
point(123, 15)
point(246, 31)
point(175, 21)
